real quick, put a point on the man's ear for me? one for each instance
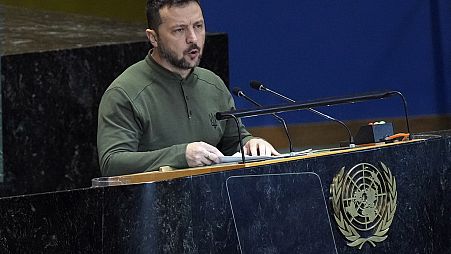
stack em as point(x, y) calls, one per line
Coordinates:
point(152, 36)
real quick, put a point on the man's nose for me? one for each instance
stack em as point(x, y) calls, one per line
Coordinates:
point(191, 36)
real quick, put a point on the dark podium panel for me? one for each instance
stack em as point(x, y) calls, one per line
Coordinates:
point(253, 208)
point(281, 213)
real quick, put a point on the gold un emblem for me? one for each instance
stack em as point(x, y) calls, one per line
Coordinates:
point(364, 203)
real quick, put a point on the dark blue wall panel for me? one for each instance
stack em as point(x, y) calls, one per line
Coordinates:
point(314, 49)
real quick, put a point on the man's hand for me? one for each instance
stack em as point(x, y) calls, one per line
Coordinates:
point(200, 154)
point(258, 146)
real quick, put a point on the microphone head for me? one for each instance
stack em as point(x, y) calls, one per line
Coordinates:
point(257, 85)
point(237, 91)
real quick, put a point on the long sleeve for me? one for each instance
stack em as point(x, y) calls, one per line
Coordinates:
point(120, 128)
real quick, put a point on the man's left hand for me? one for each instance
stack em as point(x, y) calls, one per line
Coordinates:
point(258, 146)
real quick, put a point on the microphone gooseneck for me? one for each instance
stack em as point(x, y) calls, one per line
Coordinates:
point(259, 86)
point(238, 92)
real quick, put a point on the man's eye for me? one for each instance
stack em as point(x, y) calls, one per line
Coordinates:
point(179, 30)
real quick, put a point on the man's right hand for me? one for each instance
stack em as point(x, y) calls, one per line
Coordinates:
point(200, 154)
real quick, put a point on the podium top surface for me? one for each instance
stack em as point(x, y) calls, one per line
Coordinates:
point(168, 173)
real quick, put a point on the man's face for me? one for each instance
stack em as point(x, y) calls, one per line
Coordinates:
point(181, 36)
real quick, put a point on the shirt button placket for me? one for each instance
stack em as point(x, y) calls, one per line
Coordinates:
point(186, 98)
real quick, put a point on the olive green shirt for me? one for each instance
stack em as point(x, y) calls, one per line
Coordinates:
point(148, 115)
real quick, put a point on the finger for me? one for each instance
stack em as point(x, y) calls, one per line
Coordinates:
point(267, 149)
point(211, 149)
point(213, 158)
point(260, 149)
point(253, 148)
point(245, 150)
point(210, 158)
point(205, 161)
point(214, 150)
point(274, 151)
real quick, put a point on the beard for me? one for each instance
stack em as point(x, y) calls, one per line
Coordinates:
point(181, 63)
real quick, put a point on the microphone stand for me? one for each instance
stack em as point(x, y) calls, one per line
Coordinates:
point(239, 138)
point(240, 93)
point(260, 87)
point(299, 106)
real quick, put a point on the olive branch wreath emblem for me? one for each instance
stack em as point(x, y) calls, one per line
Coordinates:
point(379, 231)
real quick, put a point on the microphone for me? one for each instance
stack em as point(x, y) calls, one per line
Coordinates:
point(238, 92)
point(259, 86)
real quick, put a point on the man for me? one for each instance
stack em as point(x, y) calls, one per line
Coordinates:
point(161, 111)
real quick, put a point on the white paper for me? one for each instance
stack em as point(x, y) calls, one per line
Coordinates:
point(237, 157)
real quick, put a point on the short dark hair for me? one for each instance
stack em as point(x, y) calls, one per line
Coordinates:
point(154, 6)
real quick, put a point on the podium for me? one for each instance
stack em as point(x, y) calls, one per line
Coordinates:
point(274, 206)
